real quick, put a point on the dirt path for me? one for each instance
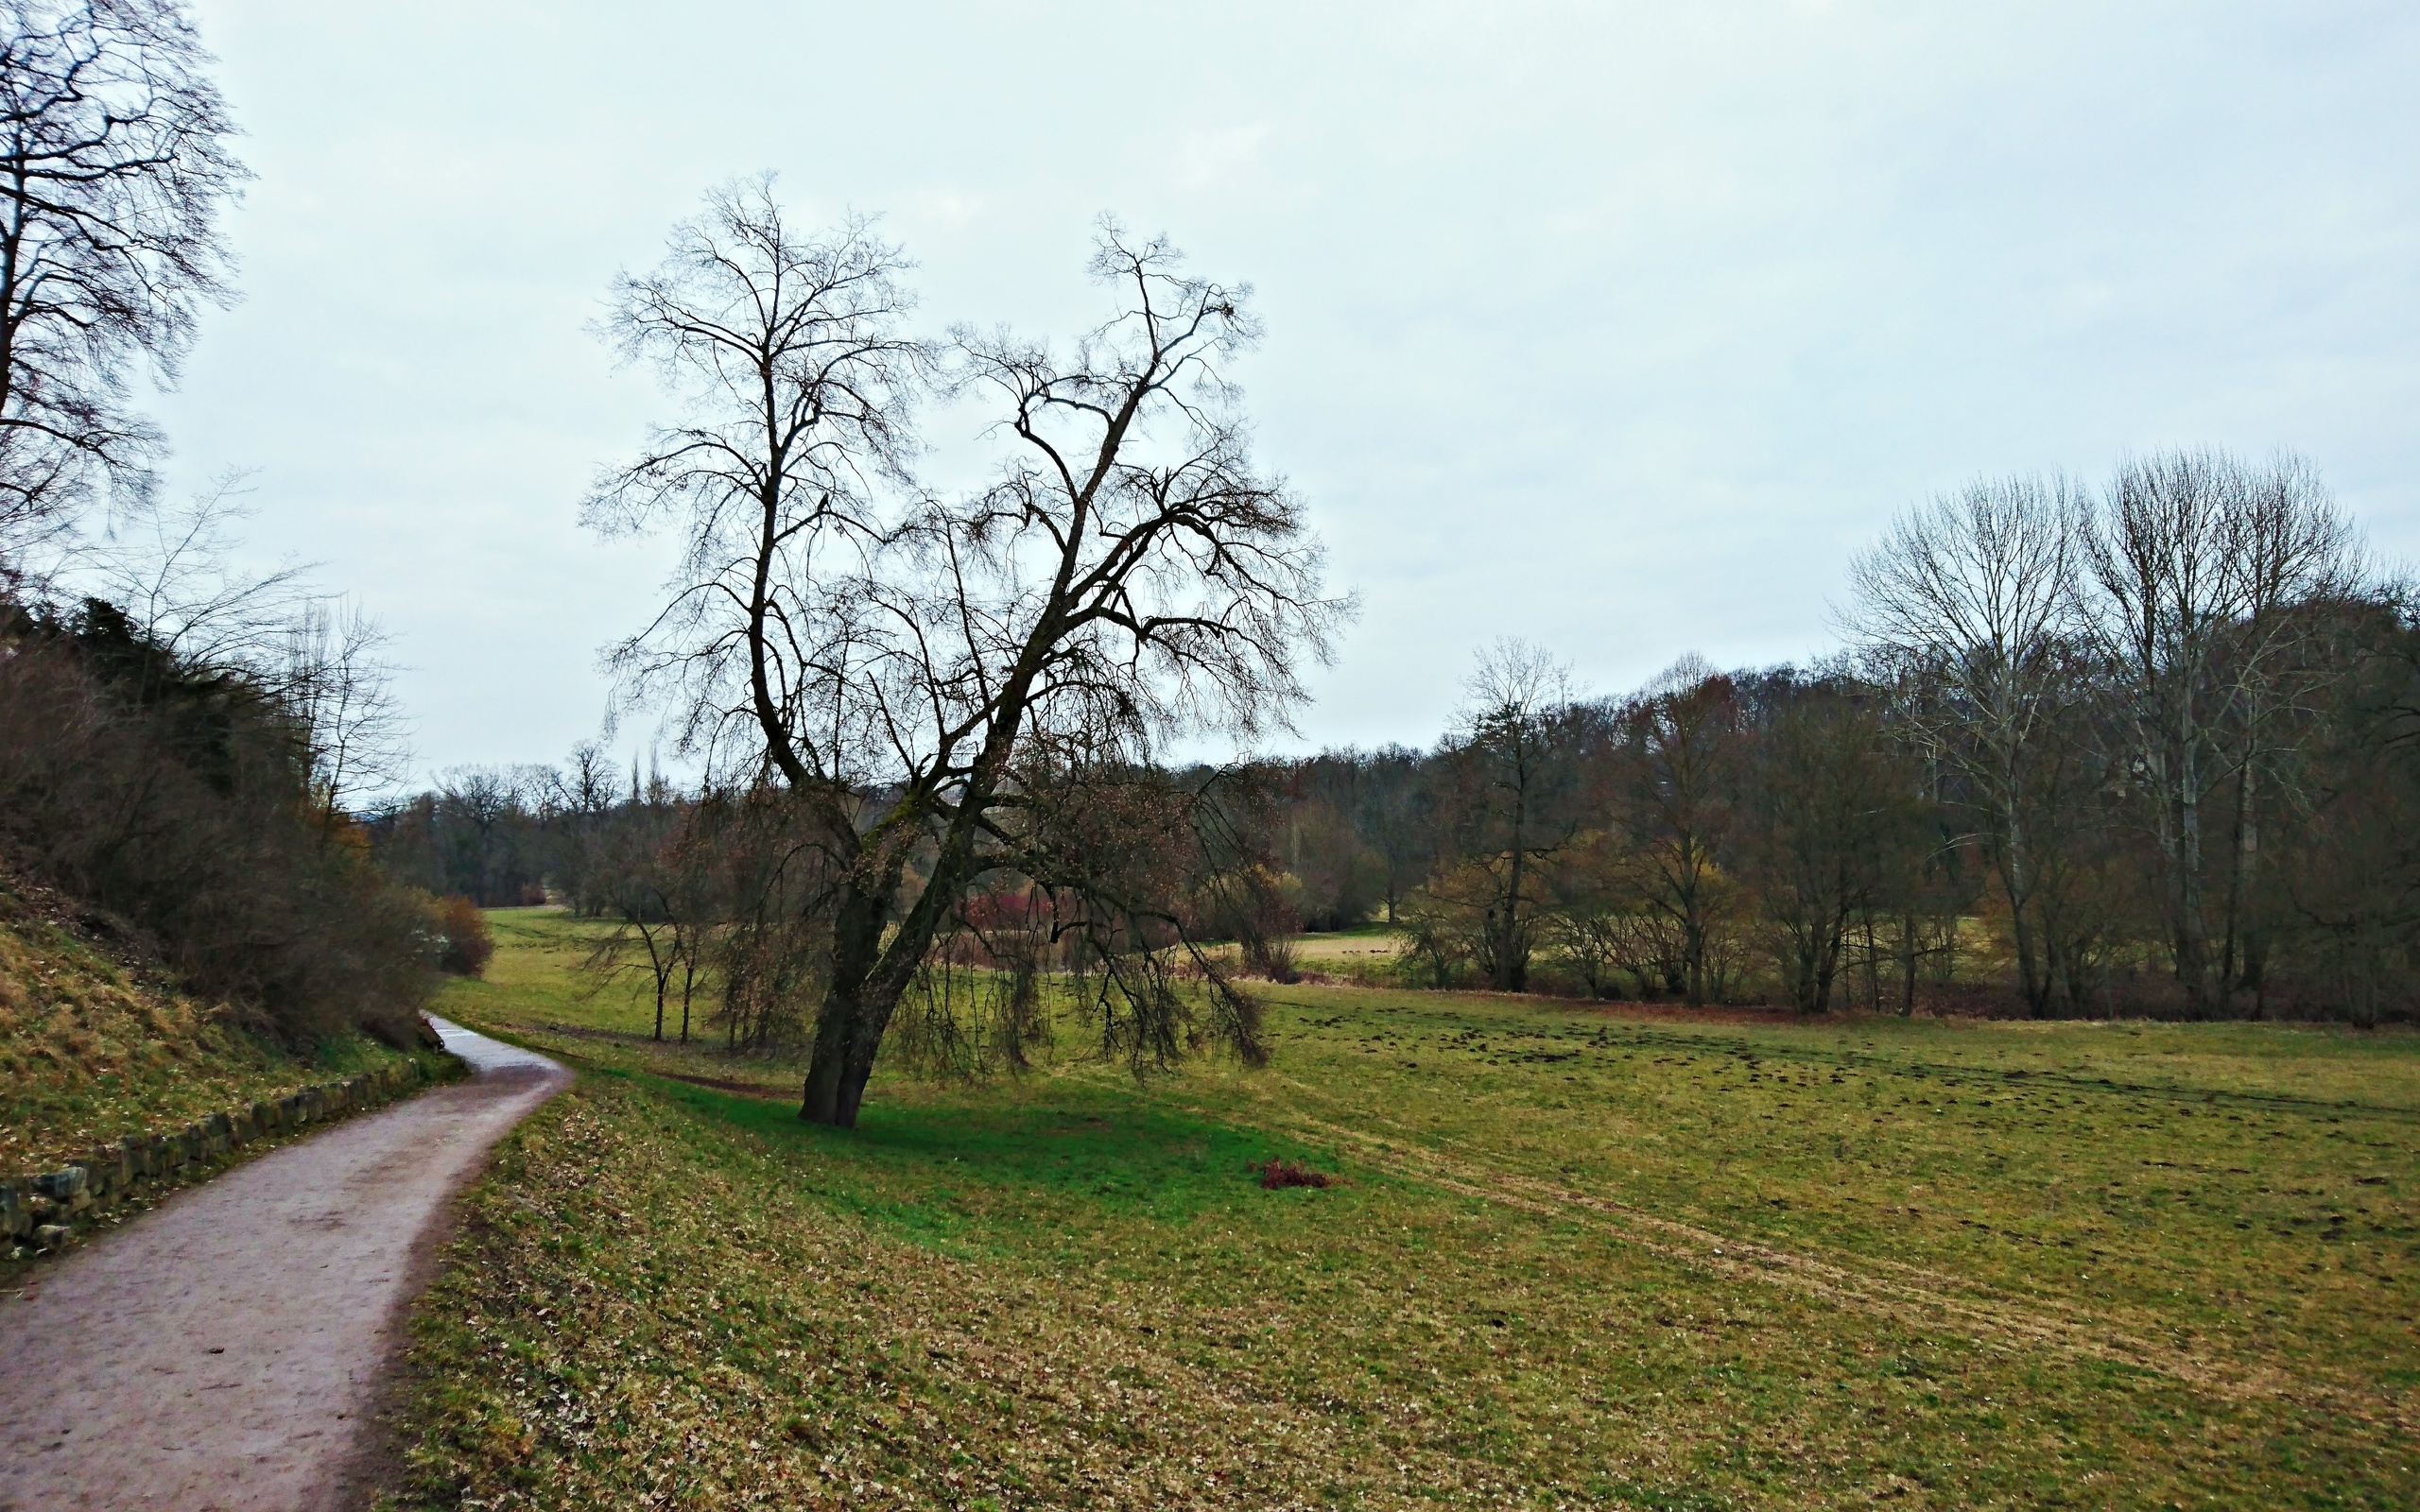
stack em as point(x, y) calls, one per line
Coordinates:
point(224, 1351)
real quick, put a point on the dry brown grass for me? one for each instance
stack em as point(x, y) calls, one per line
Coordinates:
point(1575, 1261)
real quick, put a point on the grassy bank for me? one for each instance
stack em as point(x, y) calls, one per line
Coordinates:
point(1576, 1259)
point(93, 1047)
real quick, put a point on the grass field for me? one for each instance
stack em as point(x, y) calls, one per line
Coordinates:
point(1577, 1258)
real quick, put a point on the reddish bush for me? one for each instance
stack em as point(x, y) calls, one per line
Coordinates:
point(463, 932)
point(1276, 1175)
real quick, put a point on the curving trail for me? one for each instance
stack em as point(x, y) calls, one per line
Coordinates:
point(225, 1350)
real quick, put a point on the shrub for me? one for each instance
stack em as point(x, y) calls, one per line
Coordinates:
point(1272, 956)
point(1276, 1175)
point(465, 945)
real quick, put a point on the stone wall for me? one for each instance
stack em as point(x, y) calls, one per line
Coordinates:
point(44, 1209)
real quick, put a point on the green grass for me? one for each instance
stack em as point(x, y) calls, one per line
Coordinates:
point(1577, 1259)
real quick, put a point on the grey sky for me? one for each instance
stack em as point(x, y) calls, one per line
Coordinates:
point(1618, 328)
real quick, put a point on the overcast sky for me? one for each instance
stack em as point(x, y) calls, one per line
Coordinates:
point(1618, 328)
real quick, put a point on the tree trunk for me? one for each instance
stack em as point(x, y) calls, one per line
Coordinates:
point(1692, 927)
point(2016, 880)
point(869, 976)
point(832, 1094)
point(1512, 966)
point(1907, 961)
point(2192, 935)
point(1873, 966)
point(847, 1037)
point(2243, 925)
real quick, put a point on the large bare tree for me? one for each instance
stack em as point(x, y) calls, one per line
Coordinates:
point(114, 167)
point(2208, 569)
point(918, 673)
point(1968, 603)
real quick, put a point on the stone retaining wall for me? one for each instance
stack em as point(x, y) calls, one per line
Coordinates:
point(44, 1208)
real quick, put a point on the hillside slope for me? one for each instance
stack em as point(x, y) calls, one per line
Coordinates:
point(95, 1044)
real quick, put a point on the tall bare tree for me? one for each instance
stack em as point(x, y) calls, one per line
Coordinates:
point(335, 683)
point(2300, 566)
point(1511, 754)
point(1968, 603)
point(2168, 605)
point(2205, 567)
point(115, 167)
point(910, 670)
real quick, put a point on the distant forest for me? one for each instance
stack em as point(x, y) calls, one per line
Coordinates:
point(2148, 749)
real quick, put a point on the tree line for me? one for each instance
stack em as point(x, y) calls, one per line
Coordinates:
point(2147, 748)
point(2142, 748)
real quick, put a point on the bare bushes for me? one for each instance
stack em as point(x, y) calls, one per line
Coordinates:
point(1277, 1176)
point(1111, 876)
point(463, 942)
point(178, 795)
point(1079, 938)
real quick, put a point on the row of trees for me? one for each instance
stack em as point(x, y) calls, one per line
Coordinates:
point(2087, 751)
point(2091, 743)
point(2147, 747)
point(510, 836)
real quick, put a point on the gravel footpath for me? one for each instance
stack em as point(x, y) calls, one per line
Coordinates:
point(225, 1351)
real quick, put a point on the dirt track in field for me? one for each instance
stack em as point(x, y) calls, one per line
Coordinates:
point(226, 1350)
point(1928, 1300)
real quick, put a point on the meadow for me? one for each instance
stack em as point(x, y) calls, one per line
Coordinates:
point(1576, 1256)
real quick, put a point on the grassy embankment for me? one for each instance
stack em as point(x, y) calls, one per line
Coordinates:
point(1577, 1259)
point(93, 1047)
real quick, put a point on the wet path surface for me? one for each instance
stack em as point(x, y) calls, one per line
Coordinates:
point(224, 1351)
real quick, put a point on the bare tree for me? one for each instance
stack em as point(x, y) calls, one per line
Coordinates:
point(115, 167)
point(2298, 565)
point(2204, 565)
point(899, 669)
point(1969, 604)
point(1674, 799)
point(2158, 551)
point(580, 796)
point(1511, 753)
point(488, 804)
point(178, 573)
point(336, 683)
point(1829, 811)
point(1396, 815)
point(658, 903)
